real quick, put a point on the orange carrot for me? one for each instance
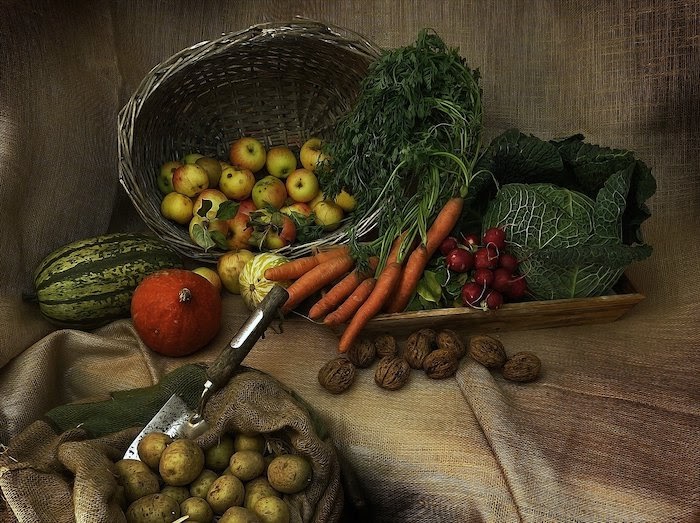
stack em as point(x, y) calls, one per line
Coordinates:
point(372, 305)
point(353, 302)
point(317, 278)
point(340, 291)
point(296, 268)
point(419, 258)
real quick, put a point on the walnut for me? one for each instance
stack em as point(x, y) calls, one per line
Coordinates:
point(362, 353)
point(418, 346)
point(337, 375)
point(392, 372)
point(488, 351)
point(449, 339)
point(430, 334)
point(522, 367)
point(385, 345)
point(441, 364)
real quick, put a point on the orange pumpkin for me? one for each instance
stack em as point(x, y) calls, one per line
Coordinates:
point(176, 312)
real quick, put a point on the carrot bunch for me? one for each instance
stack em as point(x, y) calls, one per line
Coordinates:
point(355, 297)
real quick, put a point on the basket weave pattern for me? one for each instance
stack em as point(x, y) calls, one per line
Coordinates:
point(280, 83)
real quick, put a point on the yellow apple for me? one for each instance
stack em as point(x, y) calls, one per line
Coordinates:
point(269, 190)
point(310, 154)
point(165, 176)
point(298, 208)
point(190, 179)
point(280, 161)
point(302, 185)
point(212, 167)
point(346, 201)
point(212, 195)
point(208, 233)
point(229, 267)
point(210, 274)
point(191, 157)
point(328, 214)
point(248, 153)
point(237, 182)
point(319, 198)
point(176, 207)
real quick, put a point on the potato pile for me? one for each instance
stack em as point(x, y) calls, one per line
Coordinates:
point(235, 481)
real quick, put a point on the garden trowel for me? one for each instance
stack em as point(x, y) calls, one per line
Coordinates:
point(175, 418)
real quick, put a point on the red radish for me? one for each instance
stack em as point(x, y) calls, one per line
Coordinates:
point(471, 293)
point(501, 280)
point(471, 240)
point(493, 300)
point(495, 236)
point(517, 288)
point(448, 244)
point(459, 260)
point(483, 277)
point(508, 261)
point(486, 258)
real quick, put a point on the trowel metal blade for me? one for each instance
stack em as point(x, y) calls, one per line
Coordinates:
point(173, 419)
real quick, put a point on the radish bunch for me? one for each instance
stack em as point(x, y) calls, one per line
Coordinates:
point(493, 277)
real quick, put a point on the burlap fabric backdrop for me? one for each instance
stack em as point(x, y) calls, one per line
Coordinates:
point(610, 431)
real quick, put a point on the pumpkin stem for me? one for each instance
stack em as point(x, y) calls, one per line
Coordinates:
point(185, 295)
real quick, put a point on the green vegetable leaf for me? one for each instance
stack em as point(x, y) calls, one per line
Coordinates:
point(227, 210)
point(429, 287)
point(219, 239)
point(201, 237)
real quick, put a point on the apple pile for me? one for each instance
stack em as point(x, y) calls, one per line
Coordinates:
point(258, 199)
point(493, 277)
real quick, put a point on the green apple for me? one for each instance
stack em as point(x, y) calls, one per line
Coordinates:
point(310, 154)
point(215, 197)
point(248, 153)
point(190, 179)
point(269, 191)
point(281, 161)
point(165, 176)
point(237, 182)
point(229, 267)
point(346, 201)
point(302, 185)
point(192, 157)
point(328, 214)
point(176, 207)
point(212, 167)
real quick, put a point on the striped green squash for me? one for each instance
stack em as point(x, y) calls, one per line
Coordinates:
point(89, 283)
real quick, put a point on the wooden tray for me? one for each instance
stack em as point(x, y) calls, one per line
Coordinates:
point(513, 316)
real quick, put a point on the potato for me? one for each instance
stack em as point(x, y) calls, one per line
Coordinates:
point(197, 509)
point(272, 510)
point(137, 479)
point(247, 464)
point(249, 442)
point(226, 491)
point(200, 485)
point(218, 456)
point(179, 494)
point(256, 489)
point(154, 508)
point(151, 447)
point(289, 473)
point(181, 462)
point(239, 515)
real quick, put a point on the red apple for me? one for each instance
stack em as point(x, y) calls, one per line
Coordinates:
point(190, 179)
point(248, 153)
point(239, 232)
point(299, 208)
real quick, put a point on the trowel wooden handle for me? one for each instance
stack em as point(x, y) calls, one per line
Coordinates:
point(233, 355)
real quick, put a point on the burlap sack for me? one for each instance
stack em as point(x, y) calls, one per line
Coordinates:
point(61, 468)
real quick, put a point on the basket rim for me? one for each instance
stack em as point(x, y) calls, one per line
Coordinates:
point(127, 116)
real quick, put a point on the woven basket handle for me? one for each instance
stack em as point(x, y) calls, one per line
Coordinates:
point(232, 356)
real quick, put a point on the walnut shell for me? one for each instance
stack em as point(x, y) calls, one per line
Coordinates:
point(488, 351)
point(337, 375)
point(392, 372)
point(418, 346)
point(522, 367)
point(362, 353)
point(430, 334)
point(441, 364)
point(449, 339)
point(385, 345)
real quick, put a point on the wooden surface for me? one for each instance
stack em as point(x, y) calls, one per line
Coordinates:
point(512, 316)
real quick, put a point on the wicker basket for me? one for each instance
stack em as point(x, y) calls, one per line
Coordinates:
point(278, 82)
